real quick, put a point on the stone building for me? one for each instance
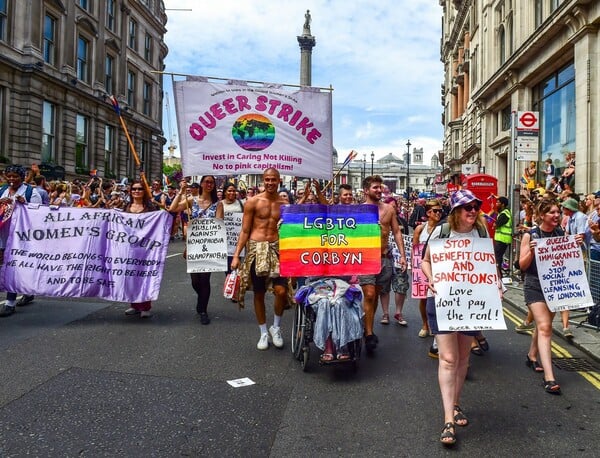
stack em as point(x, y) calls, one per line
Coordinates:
point(396, 173)
point(502, 56)
point(59, 59)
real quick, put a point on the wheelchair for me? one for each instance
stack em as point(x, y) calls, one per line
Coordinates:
point(303, 329)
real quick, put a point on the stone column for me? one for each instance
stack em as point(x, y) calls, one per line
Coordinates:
point(307, 43)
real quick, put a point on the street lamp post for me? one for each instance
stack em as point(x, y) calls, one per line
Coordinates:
point(364, 171)
point(372, 159)
point(408, 169)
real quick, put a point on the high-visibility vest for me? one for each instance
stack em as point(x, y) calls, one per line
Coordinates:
point(504, 233)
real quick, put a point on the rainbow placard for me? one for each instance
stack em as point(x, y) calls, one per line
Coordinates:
point(329, 240)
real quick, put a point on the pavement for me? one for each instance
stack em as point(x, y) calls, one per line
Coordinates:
point(585, 337)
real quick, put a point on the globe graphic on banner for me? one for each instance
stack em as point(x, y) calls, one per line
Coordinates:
point(253, 132)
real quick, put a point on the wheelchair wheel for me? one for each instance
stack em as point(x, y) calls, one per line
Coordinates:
point(298, 333)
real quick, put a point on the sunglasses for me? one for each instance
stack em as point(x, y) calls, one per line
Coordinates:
point(137, 189)
point(471, 207)
point(436, 210)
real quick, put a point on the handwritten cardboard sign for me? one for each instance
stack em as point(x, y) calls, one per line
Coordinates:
point(233, 226)
point(206, 245)
point(561, 272)
point(419, 280)
point(329, 240)
point(466, 280)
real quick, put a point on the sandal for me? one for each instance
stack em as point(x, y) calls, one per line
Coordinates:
point(448, 436)
point(460, 418)
point(483, 343)
point(533, 364)
point(476, 350)
point(343, 356)
point(326, 357)
point(385, 319)
point(551, 387)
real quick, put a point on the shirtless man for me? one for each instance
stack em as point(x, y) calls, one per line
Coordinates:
point(260, 237)
point(372, 284)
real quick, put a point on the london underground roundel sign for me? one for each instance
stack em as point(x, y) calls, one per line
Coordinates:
point(527, 120)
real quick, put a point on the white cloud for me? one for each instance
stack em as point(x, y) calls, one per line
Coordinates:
point(381, 58)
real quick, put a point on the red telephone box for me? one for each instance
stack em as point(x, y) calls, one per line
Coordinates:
point(485, 187)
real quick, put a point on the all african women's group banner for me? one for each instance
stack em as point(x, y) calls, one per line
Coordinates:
point(467, 285)
point(562, 274)
point(329, 240)
point(236, 128)
point(82, 252)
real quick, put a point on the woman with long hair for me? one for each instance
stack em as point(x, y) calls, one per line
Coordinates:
point(433, 211)
point(141, 202)
point(205, 205)
point(231, 204)
point(454, 347)
point(548, 213)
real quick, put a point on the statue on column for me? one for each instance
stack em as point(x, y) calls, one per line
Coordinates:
point(307, 20)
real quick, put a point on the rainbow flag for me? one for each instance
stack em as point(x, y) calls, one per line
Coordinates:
point(351, 156)
point(329, 240)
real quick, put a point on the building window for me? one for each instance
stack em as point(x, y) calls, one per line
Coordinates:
point(147, 93)
point(49, 39)
point(85, 4)
point(132, 34)
point(505, 117)
point(109, 69)
point(144, 156)
point(555, 101)
point(131, 89)
point(82, 144)
point(109, 150)
point(83, 59)
point(48, 132)
point(554, 4)
point(148, 48)
point(502, 45)
point(111, 23)
point(3, 20)
point(538, 12)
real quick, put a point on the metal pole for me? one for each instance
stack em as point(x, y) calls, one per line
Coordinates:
point(408, 169)
point(372, 159)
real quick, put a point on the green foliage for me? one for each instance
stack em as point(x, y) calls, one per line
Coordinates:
point(170, 170)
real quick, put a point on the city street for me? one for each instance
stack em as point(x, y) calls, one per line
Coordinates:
point(79, 378)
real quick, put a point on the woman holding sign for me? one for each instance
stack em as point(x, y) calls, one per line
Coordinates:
point(548, 213)
point(454, 346)
point(206, 205)
point(141, 202)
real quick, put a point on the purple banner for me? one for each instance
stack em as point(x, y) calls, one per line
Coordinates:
point(81, 252)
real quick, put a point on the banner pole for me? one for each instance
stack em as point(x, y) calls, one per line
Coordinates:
point(136, 158)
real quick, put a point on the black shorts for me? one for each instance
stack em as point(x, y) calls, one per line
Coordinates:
point(259, 284)
point(433, 324)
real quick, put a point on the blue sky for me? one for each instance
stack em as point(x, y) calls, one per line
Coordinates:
point(381, 58)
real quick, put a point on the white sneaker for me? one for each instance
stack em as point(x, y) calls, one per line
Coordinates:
point(145, 314)
point(275, 332)
point(131, 311)
point(263, 342)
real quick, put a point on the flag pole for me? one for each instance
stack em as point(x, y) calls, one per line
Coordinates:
point(136, 158)
point(351, 155)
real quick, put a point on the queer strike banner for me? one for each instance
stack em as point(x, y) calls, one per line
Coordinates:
point(419, 280)
point(466, 281)
point(79, 252)
point(233, 227)
point(233, 129)
point(329, 240)
point(206, 245)
point(562, 275)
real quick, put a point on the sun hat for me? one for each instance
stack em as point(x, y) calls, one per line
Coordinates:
point(462, 197)
point(570, 204)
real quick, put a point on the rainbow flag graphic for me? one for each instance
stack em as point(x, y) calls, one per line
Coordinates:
point(329, 240)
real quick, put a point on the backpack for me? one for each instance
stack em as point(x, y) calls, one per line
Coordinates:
point(445, 233)
point(28, 191)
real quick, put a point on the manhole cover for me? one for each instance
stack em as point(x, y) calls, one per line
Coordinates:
point(573, 364)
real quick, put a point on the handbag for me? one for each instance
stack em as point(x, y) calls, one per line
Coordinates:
point(231, 287)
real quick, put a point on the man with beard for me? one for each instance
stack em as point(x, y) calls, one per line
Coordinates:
point(16, 192)
point(372, 284)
